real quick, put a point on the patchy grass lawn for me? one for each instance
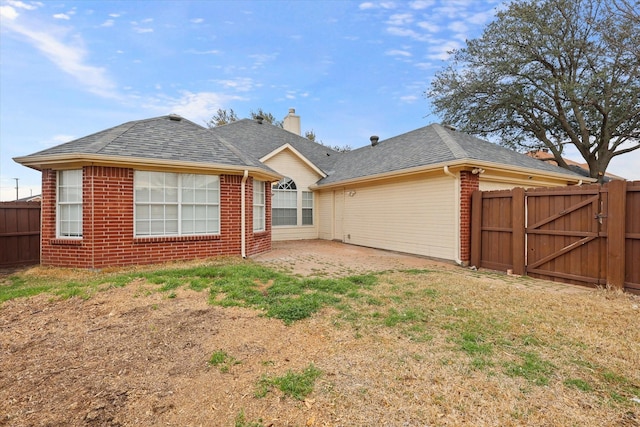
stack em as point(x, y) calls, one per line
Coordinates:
point(235, 343)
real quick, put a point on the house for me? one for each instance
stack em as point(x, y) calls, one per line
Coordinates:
point(579, 168)
point(168, 189)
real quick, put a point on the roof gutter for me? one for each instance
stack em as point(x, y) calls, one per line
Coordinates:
point(456, 195)
point(462, 163)
point(243, 215)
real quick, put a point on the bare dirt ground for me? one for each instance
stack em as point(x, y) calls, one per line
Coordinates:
point(132, 357)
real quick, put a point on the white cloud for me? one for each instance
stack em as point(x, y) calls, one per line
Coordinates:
point(240, 84)
point(375, 5)
point(440, 50)
point(458, 27)
point(108, 23)
point(143, 30)
point(197, 20)
point(62, 16)
point(429, 26)
point(70, 58)
point(400, 19)
point(421, 4)
point(23, 5)
point(261, 58)
point(58, 139)
point(409, 99)
point(406, 32)
point(114, 15)
point(197, 107)
point(397, 52)
point(8, 12)
point(203, 52)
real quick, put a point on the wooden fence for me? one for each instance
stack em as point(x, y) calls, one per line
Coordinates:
point(19, 233)
point(587, 235)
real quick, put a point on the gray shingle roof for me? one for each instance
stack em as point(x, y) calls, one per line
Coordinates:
point(257, 140)
point(162, 138)
point(429, 145)
point(244, 142)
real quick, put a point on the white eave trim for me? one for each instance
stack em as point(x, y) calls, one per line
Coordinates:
point(457, 165)
point(73, 160)
point(289, 147)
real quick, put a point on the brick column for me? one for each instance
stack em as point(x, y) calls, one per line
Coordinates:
point(469, 182)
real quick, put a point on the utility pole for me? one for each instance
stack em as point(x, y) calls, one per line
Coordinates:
point(17, 179)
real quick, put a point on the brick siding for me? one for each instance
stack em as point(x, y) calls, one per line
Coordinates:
point(107, 225)
point(469, 182)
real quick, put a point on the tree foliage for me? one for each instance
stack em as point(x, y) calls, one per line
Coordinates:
point(549, 73)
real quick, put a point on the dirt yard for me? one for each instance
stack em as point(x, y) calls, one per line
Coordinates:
point(133, 357)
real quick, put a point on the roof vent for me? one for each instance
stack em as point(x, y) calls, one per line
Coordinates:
point(175, 117)
point(374, 140)
point(259, 119)
point(450, 127)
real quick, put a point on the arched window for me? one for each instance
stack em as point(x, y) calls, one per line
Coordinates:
point(284, 209)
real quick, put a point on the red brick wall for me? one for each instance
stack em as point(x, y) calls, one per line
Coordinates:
point(108, 225)
point(469, 182)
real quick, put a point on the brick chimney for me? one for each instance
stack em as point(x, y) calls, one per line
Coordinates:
point(292, 122)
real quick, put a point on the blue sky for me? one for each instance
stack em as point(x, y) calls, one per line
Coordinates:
point(351, 69)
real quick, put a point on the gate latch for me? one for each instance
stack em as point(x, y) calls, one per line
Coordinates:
point(599, 217)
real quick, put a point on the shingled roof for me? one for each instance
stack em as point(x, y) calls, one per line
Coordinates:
point(257, 140)
point(241, 144)
point(430, 145)
point(163, 138)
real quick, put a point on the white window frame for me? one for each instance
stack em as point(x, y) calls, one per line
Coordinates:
point(259, 206)
point(176, 206)
point(307, 207)
point(68, 201)
point(285, 197)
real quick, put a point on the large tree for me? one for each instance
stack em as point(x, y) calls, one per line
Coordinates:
point(549, 73)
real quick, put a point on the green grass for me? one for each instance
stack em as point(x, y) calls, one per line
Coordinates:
point(246, 284)
point(222, 361)
point(292, 384)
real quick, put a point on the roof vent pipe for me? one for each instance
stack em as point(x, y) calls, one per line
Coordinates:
point(175, 117)
point(259, 119)
point(374, 140)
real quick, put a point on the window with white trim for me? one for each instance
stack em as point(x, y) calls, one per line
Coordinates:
point(172, 204)
point(69, 203)
point(284, 204)
point(307, 208)
point(258, 206)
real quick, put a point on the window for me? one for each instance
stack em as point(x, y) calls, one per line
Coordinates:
point(69, 203)
point(307, 208)
point(171, 204)
point(258, 206)
point(284, 209)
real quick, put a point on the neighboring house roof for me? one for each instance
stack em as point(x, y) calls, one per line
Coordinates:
point(579, 168)
point(258, 140)
point(431, 145)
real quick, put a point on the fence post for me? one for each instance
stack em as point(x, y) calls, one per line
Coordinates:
point(616, 223)
point(476, 228)
point(518, 230)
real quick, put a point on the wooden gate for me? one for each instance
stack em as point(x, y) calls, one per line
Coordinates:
point(588, 235)
point(565, 229)
point(19, 233)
